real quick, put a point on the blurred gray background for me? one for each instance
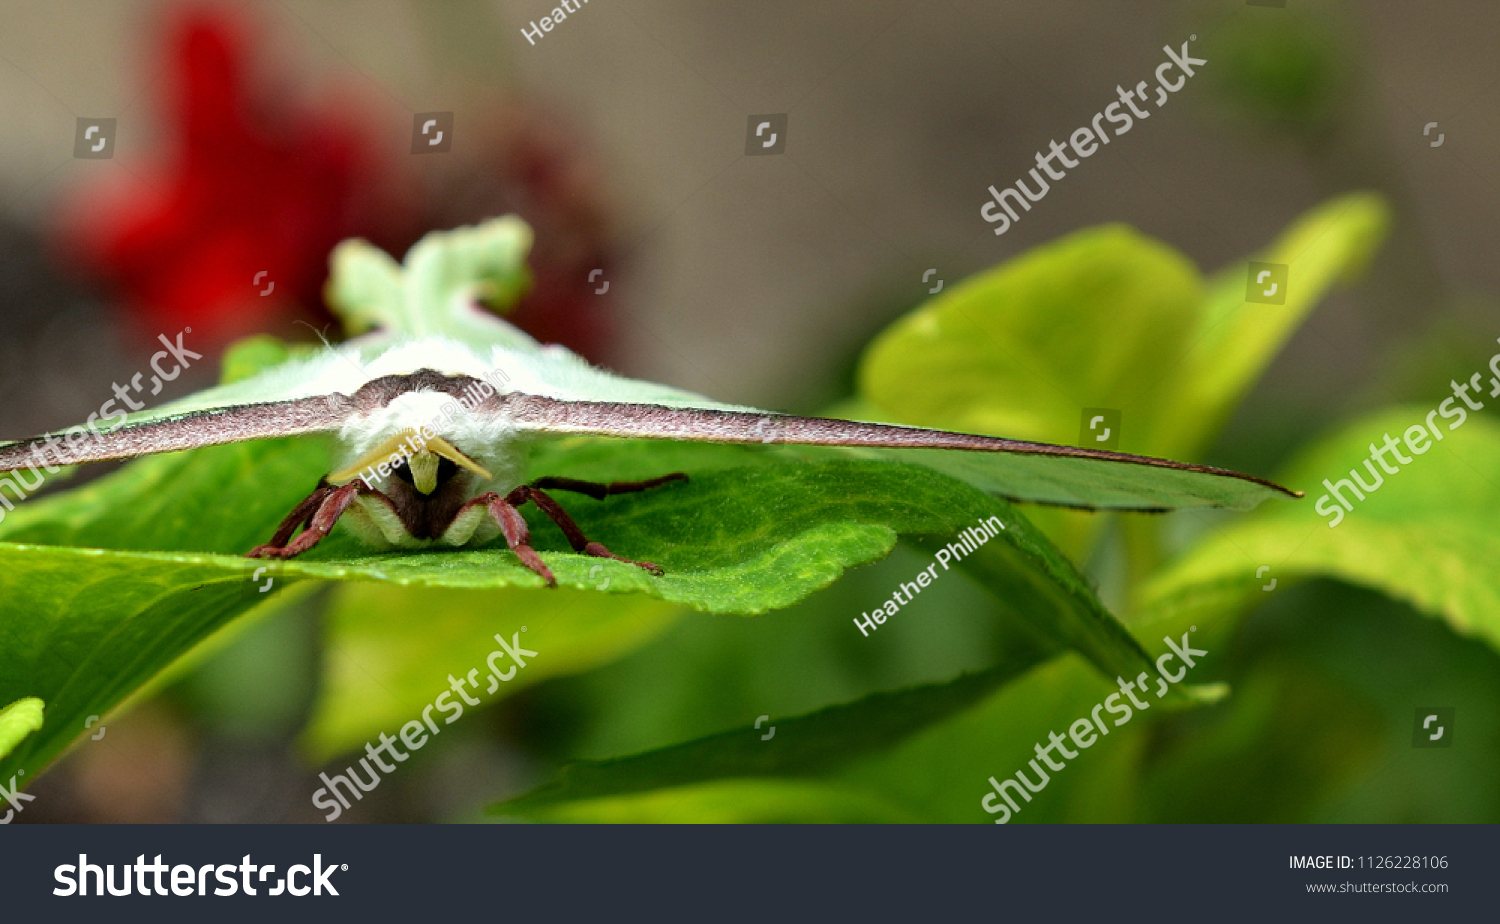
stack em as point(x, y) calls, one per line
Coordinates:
point(757, 279)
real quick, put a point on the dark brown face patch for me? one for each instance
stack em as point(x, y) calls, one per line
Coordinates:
point(428, 516)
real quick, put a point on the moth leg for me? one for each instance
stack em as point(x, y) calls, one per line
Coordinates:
point(599, 491)
point(576, 538)
point(513, 527)
point(317, 512)
point(302, 514)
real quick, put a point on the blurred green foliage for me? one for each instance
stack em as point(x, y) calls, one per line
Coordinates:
point(637, 709)
point(1283, 68)
point(1325, 678)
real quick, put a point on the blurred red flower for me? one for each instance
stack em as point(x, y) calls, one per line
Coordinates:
point(230, 233)
point(250, 201)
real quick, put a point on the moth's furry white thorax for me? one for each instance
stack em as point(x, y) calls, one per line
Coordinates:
point(518, 364)
point(490, 440)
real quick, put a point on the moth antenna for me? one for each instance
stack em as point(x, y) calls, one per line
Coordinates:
point(318, 332)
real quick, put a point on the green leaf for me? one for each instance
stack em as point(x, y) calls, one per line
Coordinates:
point(1235, 340)
point(252, 355)
point(220, 499)
point(943, 773)
point(1278, 749)
point(799, 746)
point(923, 754)
point(1425, 536)
point(1282, 73)
point(104, 587)
point(1107, 317)
point(390, 649)
point(1019, 350)
point(18, 720)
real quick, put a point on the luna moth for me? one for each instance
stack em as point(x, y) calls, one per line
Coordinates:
point(435, 402)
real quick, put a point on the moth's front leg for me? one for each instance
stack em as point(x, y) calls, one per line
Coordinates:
point(317, 513)
point(576, 538)
point(518, 534)
point(513, 527)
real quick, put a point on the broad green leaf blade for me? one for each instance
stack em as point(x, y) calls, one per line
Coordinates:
point(1107, 317)
point(253, 355)
point(943, 773)
point(18, 720)
point(1090, 320)
point(1282, 745)
point(84, 628)
point(1426, 536)
point(800, 746)
point(390, 649)
point(222, 499)
point(167, 534)
point(1104, 318)
point(925, 753)
point(1236, 339)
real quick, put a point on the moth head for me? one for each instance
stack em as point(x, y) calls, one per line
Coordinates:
point(426, 463)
